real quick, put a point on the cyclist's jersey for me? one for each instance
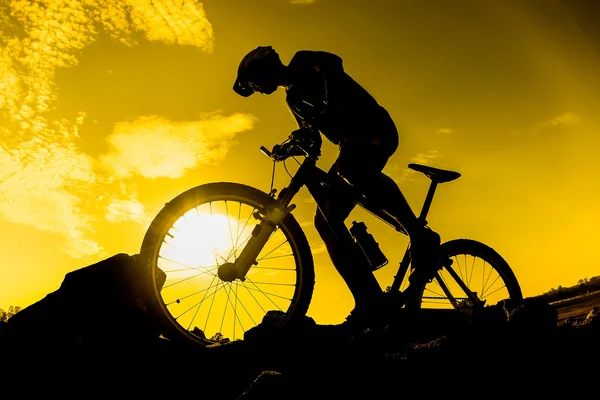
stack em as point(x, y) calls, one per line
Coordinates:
point(352, 111)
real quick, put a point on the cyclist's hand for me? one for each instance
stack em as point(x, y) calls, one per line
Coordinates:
point(307, 133)
point(310, 140)
point(278, 153)
point(301, 133)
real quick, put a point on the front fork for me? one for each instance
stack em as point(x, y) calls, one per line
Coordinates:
point(275, 213)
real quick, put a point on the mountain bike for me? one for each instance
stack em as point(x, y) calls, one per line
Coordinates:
point(223, 255)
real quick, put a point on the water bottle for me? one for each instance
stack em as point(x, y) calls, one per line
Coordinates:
point(368, 245)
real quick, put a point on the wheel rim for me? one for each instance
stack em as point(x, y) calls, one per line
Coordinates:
point(199, 304)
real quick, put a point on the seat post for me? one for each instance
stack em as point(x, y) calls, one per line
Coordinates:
point(428, 200)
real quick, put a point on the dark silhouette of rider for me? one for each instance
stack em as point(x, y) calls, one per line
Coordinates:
point(324, 98)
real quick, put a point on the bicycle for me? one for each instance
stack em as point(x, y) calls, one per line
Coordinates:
point(193, 272)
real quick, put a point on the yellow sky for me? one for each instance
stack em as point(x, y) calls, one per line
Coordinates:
point(110, 109)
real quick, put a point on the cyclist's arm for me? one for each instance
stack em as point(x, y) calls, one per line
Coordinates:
point(311, 123)
point(299, 121)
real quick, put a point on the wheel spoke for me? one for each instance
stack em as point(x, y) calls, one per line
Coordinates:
point(268, 295)
point(486, 280)
point(273, 268)
point(472, 270)
point(180, 298)
point(277, 247)
point(187, 279)
point(198, 308)
point(195, 305)
point(491, 293)
point(211, 304)
point(249, 290)
point(225, 312)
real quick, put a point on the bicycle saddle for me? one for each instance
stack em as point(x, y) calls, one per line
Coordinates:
point(435, 174)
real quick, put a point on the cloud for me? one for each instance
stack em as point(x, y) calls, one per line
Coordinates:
point(40, 36)
point(408, 174)
point(303, 1)
point(43, 184)
point(444, 131)
point(425, 158)
point(120, 210)
point(45, 179)
point(567, 119)
point(47, 184)
point(154, 147)
point(175, 22)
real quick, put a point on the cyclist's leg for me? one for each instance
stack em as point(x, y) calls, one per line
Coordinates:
point(361, 165)
point(345, 255)
point(390, 196)
point(361, 162)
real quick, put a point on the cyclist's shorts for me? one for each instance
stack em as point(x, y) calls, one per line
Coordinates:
point(363, 158)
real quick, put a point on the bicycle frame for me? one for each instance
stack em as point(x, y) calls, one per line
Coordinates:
point(318, 183)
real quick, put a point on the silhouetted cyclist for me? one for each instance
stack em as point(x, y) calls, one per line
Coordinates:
point(323, 97)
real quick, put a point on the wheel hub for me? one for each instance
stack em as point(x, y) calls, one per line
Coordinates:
point(228, 272)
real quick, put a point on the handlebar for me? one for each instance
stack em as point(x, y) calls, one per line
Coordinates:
point(301, 142)
point(266, 151)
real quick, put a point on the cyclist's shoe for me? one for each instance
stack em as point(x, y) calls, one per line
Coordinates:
point(424, 252)
point(365, 318)
point(374, 316)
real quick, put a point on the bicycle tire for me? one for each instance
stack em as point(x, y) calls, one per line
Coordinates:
point(161, 231)
point(431, 294)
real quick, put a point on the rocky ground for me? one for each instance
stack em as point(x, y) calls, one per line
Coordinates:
point(93, 335)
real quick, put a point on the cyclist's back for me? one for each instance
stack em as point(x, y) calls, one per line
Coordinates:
point(319, 75)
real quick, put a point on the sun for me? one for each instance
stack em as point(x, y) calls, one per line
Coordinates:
point(200, 241)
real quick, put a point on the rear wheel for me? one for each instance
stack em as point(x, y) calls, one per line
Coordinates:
point(477, 276)
point(204, 228)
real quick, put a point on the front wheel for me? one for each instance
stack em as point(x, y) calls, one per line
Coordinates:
point(200, 230)
point(474, 275)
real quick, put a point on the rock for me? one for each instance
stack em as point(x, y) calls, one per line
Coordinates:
point(96, 308)
point(534, 318)
point(98, 332)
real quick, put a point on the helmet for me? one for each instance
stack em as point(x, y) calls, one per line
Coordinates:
point(255, 64)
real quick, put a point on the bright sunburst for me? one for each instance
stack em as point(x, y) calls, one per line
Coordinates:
point(201, 241)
